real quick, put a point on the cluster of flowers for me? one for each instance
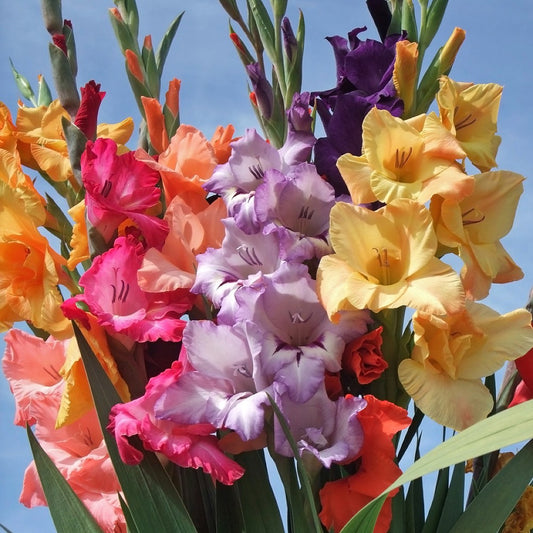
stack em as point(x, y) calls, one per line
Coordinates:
point(224, 277)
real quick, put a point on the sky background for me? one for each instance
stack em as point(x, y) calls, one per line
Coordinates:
point(497, 49)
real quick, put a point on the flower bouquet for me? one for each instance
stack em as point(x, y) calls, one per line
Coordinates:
point(209, 314)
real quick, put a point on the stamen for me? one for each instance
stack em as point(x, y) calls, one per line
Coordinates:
point(402, 159)
point(248, 255)
point(114, 297)
point(306, 212)
point(106, 189)
point(467, 121)
point(383, 260)
point(475, 217)
point(257, 171)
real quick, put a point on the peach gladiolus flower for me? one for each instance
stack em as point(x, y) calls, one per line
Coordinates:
point(190, 234)
point(452, 354)
point(30, 269)
point(475, 226)
point(386, 259)
point(405, 72)
point(31, 366)
point(8, 140)
point(413, 159)
point(470, 112)
point(42, 144)
point(185, 165)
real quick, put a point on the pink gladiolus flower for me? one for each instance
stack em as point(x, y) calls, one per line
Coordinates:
point(120, 187)
point(192, 446)
point(113, 295)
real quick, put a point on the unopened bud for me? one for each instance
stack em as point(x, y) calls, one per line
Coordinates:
point(132, 61)
point(53, 20)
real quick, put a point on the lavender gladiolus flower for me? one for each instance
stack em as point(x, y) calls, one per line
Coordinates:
point(299, 201)
point(326, 429)
point(240, 260)
point(297, 340)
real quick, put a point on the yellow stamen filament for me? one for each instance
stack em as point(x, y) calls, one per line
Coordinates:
point(383, 260)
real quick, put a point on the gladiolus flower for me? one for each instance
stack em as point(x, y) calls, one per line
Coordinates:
point(470, 112)
point(363, 358)
point(385, 259)
point(475, 226)
point(405, 159)
point(376, 468)
point(452, 354)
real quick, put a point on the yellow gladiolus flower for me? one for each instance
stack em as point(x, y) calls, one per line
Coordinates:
point(79, 242)
point(452, 354)
point(42, 144)
point(386, 259)
point(29, 269)
point(475, 226)
point(415, 159)
point(470, 112)
point(77, 398)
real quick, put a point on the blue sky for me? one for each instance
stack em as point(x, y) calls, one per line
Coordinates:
point(497, 49)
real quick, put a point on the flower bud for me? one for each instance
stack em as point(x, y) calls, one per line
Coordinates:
point(53, 20)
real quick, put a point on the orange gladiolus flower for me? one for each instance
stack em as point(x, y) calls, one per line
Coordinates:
point(376, 469)
point(30, 270)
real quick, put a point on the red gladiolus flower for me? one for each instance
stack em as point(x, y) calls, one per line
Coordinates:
point(376, 468)
point(363, 358)
point(87, 115)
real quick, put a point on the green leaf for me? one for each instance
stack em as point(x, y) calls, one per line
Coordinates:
point(439, 497)
point(259, 507)
point(411, 432)
point(68, 512)
point(229, 515)
point(497, 499)
point(498, 431)
point(454, 502)
point(152, 499)
point(414, 501)
point(365, 520)
point(5, 528)
point(164, 45)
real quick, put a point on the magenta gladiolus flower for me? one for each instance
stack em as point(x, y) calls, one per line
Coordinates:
point(119, 187)
point(113, 295)
point(188, 445)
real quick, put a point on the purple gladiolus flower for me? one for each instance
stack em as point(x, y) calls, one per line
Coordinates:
point(364, 80)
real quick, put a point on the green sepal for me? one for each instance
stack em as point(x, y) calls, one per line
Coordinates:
point(52, 16)
point(265, 28)
point(130, 14)
point(67, 511)
point(152, 77)
point(71, 49)
point(435, 14)
point(164, 45)
point(293, 69)
point(23, 85)
point(44, 95)
point(409, 20)
point(125, 38)
point(63, 229)
point(153, 500)
point(64, 81)
point(497, 499)
point(395, 25)
point(242, 50)
point(231, 8)
point(172, 122)
point(279, 7)
point(76, 142)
